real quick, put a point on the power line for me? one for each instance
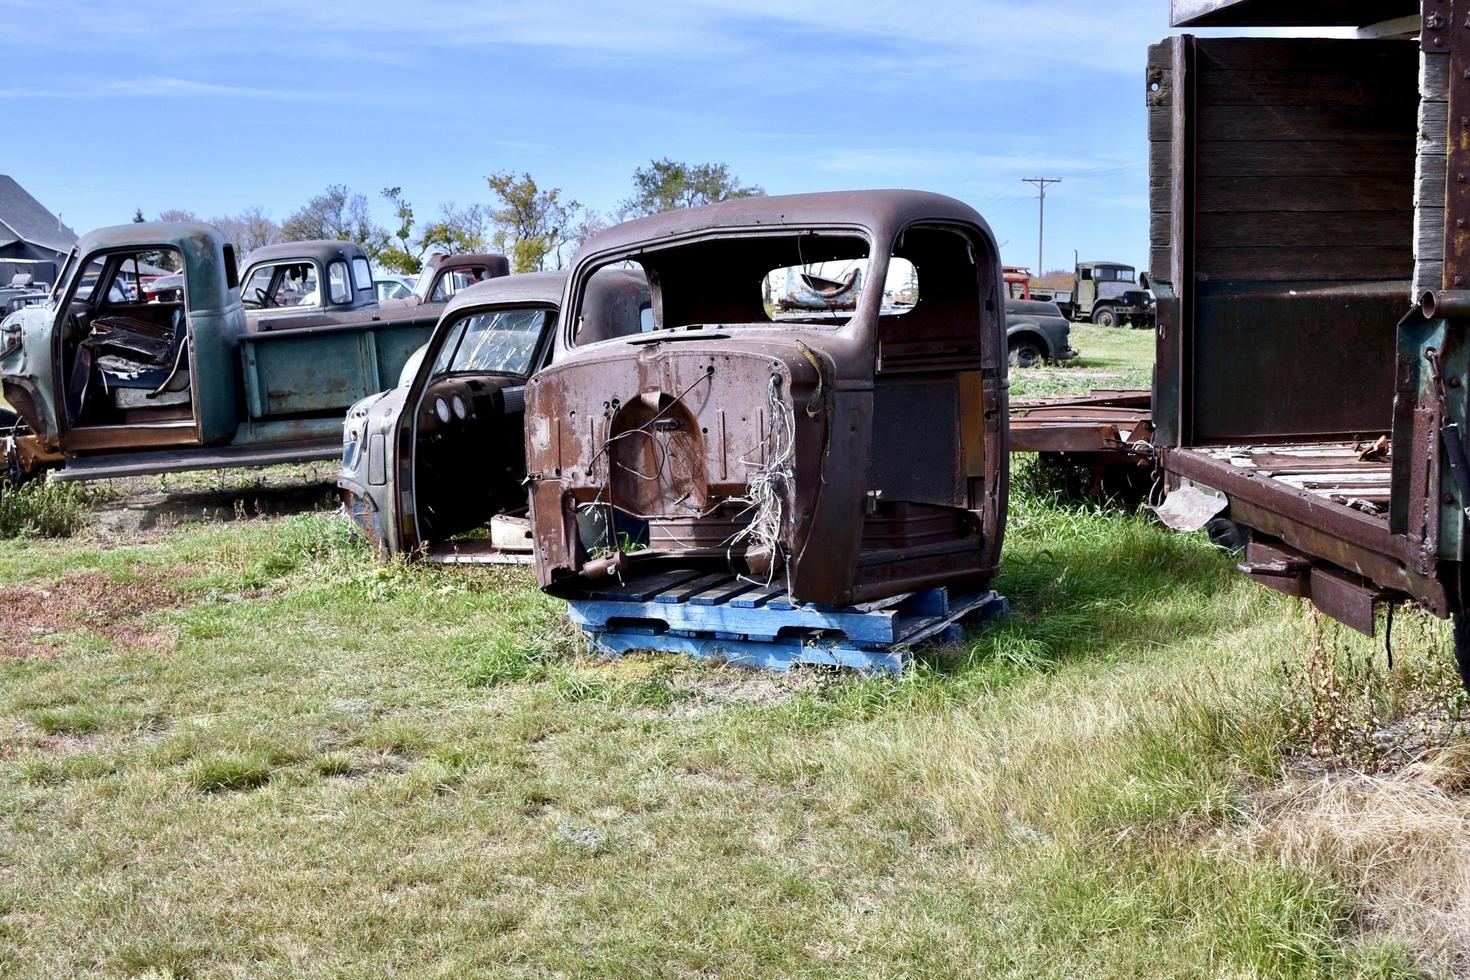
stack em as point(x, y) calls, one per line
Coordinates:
point(1041, 183)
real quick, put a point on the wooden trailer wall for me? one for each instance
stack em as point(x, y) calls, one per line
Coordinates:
point(1282, 190)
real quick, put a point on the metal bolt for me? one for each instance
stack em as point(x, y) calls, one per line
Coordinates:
point(1460, 178)
point(1454, 382)
point(1459, 280)
point(1449, 498)
point(1459, 222)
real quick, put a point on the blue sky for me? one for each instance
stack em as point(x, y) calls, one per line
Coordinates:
point(219, 107)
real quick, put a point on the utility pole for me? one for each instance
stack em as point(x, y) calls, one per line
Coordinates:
point(1041, 183)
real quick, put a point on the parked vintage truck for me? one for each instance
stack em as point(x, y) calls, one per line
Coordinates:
point(1036, 332)
point(1308, 252)
point(435, 467)
point(1110, 295)
point(109, 383)
point(842, 456)
point(443, 276)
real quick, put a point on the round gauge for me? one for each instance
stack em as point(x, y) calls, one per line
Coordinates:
point(441, 409)
point(460, 410)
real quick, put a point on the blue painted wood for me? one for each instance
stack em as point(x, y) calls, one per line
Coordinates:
point(717, 615)
point(749, 653)
point(756, 597)
point(721, 593)
point(643, 588)
point(687, 591)
point(750, 620)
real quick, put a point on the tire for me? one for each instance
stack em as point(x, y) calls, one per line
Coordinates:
point(1462, 648)
point(1026, 354)
point(1105, 316)
point(1227, 535)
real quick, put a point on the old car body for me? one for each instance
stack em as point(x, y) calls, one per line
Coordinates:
point(434, 468)
point(1108, 294)
point(841, 456)
point(1036, 332)
point(392, 286)
point(107, 383)
point(443, 276)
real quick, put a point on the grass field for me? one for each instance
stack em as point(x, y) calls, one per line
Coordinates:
point(231, 744)
point(244, 749)
point(1110, 357)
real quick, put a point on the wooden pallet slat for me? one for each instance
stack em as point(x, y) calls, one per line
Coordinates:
point(717, 615)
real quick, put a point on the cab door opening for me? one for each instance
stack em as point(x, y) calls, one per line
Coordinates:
point(124, 351)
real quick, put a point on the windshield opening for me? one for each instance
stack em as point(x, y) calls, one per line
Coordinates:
point(799, 277)
point(493, 342)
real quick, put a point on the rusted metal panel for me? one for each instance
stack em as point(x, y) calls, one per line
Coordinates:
point(790, 434)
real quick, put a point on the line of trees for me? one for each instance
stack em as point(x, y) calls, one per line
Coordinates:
point(535, 227)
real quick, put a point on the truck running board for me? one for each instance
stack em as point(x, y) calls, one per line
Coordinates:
point(111, 467)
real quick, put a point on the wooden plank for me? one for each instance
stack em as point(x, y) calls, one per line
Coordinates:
point(699, 586)
point(1429, 234)
point(1278, 264)
point(1307, 54)
point(1428, 277)
point(757, 597)
point(1290, 89)
point(1306, 158)
point(644, 587)
point(1158, 262)
point(756, 654)
point(1341, 123)
point(722, 593)
point(1434, 77)
point(1277, 194)
point(1388, 229)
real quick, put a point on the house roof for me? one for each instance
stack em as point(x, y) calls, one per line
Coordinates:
point(1287, 13)
point(23, 217)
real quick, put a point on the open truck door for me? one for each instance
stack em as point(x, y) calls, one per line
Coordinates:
point(1311, 265)
point(435, 468)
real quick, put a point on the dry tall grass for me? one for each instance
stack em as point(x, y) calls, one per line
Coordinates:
point(1400, 843)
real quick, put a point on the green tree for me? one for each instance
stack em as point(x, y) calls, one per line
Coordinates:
point(400, 254)
point(456, 230)
point(530, 223)
point(667, 185)
point(336, 213)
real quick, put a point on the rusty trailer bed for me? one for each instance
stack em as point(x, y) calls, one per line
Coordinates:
point(1103, 424)
point(1335, 472)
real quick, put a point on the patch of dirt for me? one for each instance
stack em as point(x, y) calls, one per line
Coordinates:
point(712, 688)
point(142, 508)
point(88, 600)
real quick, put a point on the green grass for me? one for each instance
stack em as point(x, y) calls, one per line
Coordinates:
point(1110, 357)
point(333, 767)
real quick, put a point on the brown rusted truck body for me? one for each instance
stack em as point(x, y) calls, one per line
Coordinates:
point(846, 456)
point(1309, 202)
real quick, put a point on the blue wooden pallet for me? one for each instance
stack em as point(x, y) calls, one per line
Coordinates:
point(720, 616)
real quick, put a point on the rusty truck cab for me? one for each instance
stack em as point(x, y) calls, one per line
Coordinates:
point(1309, 253)
point(845, 454)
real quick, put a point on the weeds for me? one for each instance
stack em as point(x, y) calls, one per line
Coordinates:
point(43, 510)
point(1341, 708)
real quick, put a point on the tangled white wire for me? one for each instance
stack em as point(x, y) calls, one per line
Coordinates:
point(766, 489)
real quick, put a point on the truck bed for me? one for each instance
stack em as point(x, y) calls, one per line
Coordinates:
point(1334, 472)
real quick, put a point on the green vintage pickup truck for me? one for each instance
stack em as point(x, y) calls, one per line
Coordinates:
point(110, 379)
